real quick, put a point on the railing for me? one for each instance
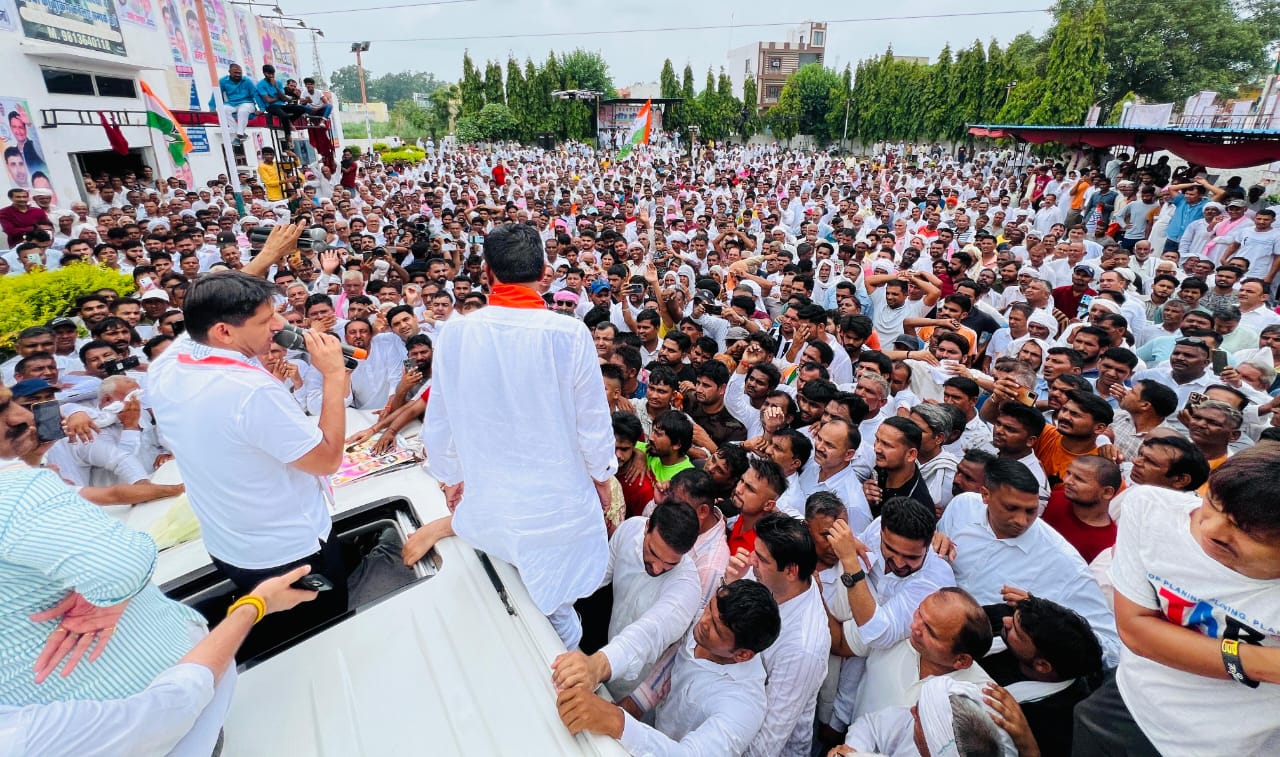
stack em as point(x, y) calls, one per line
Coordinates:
point(55, 117)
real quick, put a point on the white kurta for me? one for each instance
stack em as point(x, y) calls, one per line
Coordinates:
point(376, 376)
point(518, 412)
point(650, 613)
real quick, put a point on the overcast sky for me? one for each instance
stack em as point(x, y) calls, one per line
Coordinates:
point(435, 36)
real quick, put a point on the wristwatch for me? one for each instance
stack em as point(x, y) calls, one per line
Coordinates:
point(851, 580)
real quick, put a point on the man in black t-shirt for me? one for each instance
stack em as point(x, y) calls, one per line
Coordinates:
point(708, 410)
point(1051, 655)
point(896, 473)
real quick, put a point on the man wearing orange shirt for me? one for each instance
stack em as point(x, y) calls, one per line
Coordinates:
point(756, 494)
point(1080, 421)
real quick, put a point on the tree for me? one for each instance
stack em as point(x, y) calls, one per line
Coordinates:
point(446, 102)
point(673, 115)
point(468, 130)
point(495, 121)
point(841, 105)
point(588, 70)
point(782, 121)
point(938, 116)
point(1166, 52)
point(750, 123)
point(968, 81)
point(537, 107)
point(392, 88)
point(686, 86)
point(1076, 66)
point(806, 98)
point(345, 82)
point(493, 92)
point(410, 119)
point(995, 90)
point(550, 80)
point(516, 98)
point(472, 87)
point(667, 80)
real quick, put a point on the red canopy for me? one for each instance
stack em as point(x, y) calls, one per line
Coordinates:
point(1219, 148)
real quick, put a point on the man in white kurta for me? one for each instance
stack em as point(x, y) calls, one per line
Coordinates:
point(518, 413)
point(650, 613)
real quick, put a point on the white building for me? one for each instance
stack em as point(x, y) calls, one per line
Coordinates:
point(65, 62)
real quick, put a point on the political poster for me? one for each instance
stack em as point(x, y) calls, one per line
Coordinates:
point(245, 29)
point(87, 24)
point(278, 49)
point(138, 13)
point(8, 16)
point(191, 24)
point(179, 47)
point(220, 34)
point(24, 159)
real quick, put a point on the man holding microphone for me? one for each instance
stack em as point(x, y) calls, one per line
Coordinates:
point(255, 466)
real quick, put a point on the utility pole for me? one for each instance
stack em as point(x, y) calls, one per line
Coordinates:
point(224, 127)
point(358, 48)
point(315, 58)
point(845, 136)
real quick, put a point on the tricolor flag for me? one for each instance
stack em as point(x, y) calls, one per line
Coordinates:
point(161, 119)
point(639, 130)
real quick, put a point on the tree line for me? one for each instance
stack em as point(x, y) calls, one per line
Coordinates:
point(1102, 52)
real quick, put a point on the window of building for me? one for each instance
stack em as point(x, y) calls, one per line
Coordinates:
point(772, 91)
point(114, 86)
point(775, 64)
point(67, 82)
point(819, 38)
point(61, 82)
point(746, 66)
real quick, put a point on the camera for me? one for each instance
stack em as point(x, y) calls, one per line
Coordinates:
point(312, 239)
point(117, 367)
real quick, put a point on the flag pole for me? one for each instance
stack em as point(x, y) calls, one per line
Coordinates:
point(232, 175)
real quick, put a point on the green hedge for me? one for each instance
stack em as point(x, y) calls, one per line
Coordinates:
point(31, 299)
point(406, 152)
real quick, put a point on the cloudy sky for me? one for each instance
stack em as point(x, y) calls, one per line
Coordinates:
point(635, 39)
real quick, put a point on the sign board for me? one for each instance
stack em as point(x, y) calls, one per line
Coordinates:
point(89, 24)
point(199, 136)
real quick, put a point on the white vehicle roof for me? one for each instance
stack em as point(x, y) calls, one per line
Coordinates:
point(442, 667)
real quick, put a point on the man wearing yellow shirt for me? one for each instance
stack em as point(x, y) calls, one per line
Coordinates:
point(271, 175)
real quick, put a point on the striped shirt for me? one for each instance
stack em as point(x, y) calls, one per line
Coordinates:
point(52, 541)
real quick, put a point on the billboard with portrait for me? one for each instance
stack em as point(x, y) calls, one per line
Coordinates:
point(24, 159)
point(137, 12)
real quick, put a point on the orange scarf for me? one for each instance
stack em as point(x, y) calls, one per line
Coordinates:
point(512, 296)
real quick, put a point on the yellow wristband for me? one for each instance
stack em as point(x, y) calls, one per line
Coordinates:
point(256, 602)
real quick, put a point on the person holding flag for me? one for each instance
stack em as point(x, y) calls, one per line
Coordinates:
point(638, 134)
point(162, 120)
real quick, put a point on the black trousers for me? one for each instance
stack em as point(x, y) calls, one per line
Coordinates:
point(1104, 727)
point(286, 112)
point(278, 628)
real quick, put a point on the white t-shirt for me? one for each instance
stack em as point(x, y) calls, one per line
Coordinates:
point(887, 320)
point(1258, 247)
point(1159, 565)
point(235, 430)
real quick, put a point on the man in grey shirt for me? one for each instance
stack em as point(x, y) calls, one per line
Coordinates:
point(1135, 217)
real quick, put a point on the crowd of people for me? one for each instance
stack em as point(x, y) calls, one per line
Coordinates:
point(918, 453)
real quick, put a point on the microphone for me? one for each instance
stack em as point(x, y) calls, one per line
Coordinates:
point(291, 338)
